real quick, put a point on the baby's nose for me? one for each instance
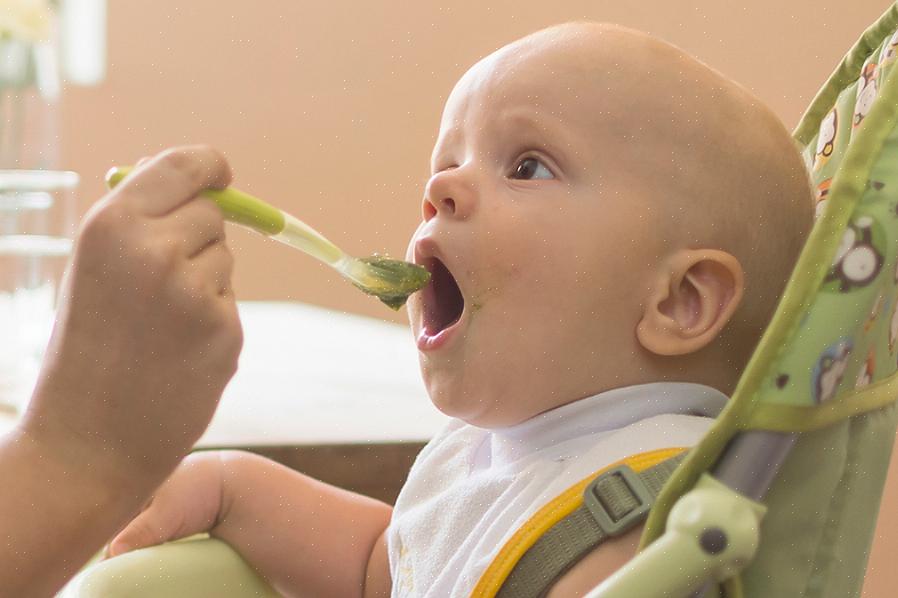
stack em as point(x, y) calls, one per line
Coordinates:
point(448, 194)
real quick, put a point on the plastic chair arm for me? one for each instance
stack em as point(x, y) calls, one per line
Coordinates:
point(193, 568)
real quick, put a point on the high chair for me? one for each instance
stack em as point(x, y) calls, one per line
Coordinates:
point(780, 497)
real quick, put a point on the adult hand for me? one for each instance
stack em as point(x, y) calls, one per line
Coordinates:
point(147, 334)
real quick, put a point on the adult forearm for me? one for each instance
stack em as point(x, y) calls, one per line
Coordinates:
point(57, 511)
point(306, 537)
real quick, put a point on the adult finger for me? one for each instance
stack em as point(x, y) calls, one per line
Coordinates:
point(172, 178)
point(196, 225)
point(213, 266)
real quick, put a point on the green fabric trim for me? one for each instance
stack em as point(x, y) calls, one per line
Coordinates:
point(794, 418)
point(844, 75)
point(847, 188)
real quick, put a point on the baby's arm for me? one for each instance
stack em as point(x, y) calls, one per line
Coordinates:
point(305, 537)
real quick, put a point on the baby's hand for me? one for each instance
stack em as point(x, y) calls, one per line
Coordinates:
point(187, 503)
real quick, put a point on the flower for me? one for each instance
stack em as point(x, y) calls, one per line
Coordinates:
point(25, 20)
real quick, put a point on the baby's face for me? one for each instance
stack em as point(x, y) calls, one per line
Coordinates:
point(538, 228)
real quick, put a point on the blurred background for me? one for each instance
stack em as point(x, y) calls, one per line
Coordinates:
point(330, 109)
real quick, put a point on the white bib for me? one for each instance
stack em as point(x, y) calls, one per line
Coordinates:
point(471, 488)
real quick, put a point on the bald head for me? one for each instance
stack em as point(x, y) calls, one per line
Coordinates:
point(703, 159)
point(727, 173)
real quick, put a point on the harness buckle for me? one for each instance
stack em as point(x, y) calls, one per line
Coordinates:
point(618, 487)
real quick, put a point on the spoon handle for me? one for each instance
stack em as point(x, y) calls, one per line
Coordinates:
point(260, 216)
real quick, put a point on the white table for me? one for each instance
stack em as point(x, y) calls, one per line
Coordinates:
point(308, 375)
point(336, 395)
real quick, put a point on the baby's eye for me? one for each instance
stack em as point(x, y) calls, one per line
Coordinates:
point(531, 168)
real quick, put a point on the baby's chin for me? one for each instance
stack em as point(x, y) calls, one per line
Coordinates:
point(473, 408)
point(453, 401)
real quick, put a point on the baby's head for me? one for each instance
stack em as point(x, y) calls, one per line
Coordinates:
point(604, 210)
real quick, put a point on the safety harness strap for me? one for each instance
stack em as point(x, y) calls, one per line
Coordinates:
point(613, 503)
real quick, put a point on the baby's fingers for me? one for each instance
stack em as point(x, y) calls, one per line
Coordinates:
point(186, 504)
point(150, 528)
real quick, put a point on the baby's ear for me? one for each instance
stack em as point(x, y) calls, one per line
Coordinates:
point(691, 300)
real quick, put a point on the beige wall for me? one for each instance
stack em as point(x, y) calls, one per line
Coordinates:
point(330, 109)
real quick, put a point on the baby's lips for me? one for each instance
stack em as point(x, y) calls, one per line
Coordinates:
point(425, 248)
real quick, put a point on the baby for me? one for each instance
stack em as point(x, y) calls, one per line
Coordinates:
point(609, 225)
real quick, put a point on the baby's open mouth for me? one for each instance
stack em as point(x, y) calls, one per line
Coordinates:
point(442, 299)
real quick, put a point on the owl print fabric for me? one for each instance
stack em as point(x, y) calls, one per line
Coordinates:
point(848, 337)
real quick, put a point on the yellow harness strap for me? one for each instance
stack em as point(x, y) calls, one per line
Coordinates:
point(550, 514)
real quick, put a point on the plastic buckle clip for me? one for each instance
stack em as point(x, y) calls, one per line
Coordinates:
point(626, 478)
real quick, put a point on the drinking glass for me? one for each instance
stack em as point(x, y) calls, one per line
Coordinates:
point(37, 226)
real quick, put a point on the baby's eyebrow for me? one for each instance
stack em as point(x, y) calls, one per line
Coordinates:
point(445, 142)
point(543, 129)
point(518, 120)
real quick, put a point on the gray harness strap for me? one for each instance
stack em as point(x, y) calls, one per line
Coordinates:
point(614, 502)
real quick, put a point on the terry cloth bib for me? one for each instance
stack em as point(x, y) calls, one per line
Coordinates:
point(470, 489)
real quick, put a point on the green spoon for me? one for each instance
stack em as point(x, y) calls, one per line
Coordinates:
point(391, 281)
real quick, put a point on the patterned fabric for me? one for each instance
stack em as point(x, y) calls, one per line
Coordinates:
point(848, 336)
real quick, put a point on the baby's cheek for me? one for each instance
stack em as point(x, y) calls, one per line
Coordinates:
point(491, 281)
